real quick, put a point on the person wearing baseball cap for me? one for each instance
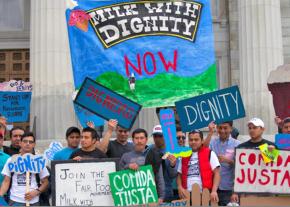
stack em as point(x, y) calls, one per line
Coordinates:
point(256, 129)
point(168, 165)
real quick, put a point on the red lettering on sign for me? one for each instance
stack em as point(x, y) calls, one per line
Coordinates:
point(275, 175)
point(111, 103)
point(240, 158)
point(252, 158)
point(242, 179)
point(286, 177)
point(169, 64)
point(287, 161)
point(148, 56)
point(252, 179)
point(264, 173)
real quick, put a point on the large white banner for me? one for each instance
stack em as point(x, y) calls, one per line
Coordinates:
point(83, 183)
point(252, 175)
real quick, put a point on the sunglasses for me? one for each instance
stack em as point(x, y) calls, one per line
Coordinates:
point(27, 141)
point(123, 131)
point(181, 137)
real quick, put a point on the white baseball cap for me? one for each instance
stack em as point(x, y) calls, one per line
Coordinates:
point(257, 122)
point(157, 130)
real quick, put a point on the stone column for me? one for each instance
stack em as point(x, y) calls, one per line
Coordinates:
point(260, 51)
point(50, 70)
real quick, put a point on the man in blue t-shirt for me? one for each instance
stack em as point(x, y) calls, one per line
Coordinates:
point(73, 137)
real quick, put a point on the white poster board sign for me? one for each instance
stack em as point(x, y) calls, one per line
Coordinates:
point(252, 175)
point(84, 183)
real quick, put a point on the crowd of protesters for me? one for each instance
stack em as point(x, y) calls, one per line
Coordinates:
point(211, 164)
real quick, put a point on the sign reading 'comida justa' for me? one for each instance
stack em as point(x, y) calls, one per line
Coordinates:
point(119, 22)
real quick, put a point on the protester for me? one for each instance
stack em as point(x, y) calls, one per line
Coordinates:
point(256, 129)
point(103, 143)
point(132, 160)
point(3, 157)
point(73, 137)
point(116, 148)
point(169, 166)
point(18, 195)
point(3, 120)
point(180, 136)
point(2, 130)
point(224, 147)
point(202, 168)
point(15, 137)
point(89, 137)
point(286, 126)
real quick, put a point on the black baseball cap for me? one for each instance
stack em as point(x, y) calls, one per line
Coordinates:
point(71, 130)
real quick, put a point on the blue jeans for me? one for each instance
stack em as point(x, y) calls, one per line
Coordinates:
point(224, 197)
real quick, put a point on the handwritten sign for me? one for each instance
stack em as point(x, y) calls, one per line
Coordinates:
point(250, 170)
point(133, 187)
point(27, 163)
point(107, 104)
point(152, 52)
point(219, 106)
point(15, 106)
point(16, 86)
point(54, 147)
point(84, 183)
point(283, 141)
point(167, 122)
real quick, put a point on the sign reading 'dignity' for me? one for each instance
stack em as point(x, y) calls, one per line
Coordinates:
point(54, 147)
point(26, 163)
point(283, 141)
point(219, 106)
point(107, 104)
point(131, 187)
point(84, 183)
point(15, 106)
point(250, 170)
point(167, 122)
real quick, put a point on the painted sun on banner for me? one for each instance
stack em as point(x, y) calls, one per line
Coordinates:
point(152, 52)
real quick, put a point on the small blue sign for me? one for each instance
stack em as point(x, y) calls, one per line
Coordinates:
point(15, 106)
point(219, 106)
point(107, 104)
point(167, 122)
point(282, 141)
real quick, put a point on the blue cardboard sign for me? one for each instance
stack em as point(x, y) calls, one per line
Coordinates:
point(107, 104)
point(54, 147)
point(167, 122)
point(15, 106)
point(85, 116)
point(283, 141)
point(27, 163)
point(219, 106)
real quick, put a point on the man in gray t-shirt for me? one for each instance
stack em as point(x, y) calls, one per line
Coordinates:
point(118, 147)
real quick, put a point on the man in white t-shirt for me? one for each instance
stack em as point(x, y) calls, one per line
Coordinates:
point(202, 168)
point(18, 194)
